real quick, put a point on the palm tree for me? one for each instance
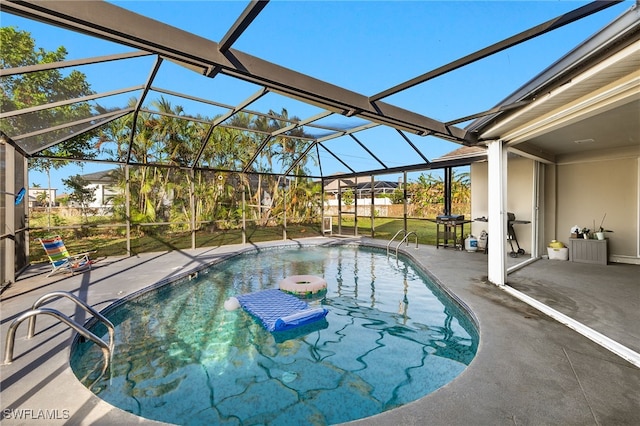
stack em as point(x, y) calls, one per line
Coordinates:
point(461, 191)
point(169, 139)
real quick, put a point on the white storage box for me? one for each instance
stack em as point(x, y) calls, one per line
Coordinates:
point(558, 253)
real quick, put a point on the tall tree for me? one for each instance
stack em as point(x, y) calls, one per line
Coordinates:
point(18, 49)
point(169, 139)
point(81, 193)
point(427, 194)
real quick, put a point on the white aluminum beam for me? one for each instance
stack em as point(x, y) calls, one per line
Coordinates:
point(497, 181)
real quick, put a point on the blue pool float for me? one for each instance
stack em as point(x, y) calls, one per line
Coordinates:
point(277, 310)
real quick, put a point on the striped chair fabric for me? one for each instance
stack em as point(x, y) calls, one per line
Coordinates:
point(61, 260)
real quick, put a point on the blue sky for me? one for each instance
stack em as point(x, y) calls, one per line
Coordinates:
point(364, 46)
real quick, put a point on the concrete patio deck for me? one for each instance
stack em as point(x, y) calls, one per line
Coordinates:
point(529, 369)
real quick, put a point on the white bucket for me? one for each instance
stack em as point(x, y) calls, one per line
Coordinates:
point(482, 240)
point(558, 253)
point(471, 243)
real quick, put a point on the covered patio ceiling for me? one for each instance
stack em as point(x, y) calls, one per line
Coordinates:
point(327, 118)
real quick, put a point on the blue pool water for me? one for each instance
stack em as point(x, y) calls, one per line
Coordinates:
point(391, 336)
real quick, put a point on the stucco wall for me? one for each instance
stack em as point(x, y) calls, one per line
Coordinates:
point(519, 197)
point(587, 190)
point(578, 190)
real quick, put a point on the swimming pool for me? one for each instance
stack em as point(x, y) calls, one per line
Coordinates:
point(391, 336)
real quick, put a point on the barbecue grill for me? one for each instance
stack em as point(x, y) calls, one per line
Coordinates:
point(511, 234)
point(447, 227)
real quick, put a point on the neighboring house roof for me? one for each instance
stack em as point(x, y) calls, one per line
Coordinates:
point(102, 177)
point(363, 185)
point(464, 152)
point(379, 184)
point(331, 185)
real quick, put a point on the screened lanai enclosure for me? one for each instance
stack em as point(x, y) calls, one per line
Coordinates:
point(202, 139)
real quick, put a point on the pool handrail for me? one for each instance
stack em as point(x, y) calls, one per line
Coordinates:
point(11, 334)
point(405, 238)
point(404, 231)
point(78, 302)
point(107, 349)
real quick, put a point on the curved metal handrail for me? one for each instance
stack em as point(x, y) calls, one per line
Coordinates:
point(406, 238)
point(11, 334)
point(83, 305)
point(394, 237)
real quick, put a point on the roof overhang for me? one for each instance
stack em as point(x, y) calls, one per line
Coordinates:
point(588, 100)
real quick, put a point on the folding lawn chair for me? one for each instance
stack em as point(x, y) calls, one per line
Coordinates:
point(61, 260)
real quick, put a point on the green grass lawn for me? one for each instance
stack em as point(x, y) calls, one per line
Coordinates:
point(111, 241)
point(386, 228)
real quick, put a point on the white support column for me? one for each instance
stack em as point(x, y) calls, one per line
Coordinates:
point(538, 176)
point(497, 182)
